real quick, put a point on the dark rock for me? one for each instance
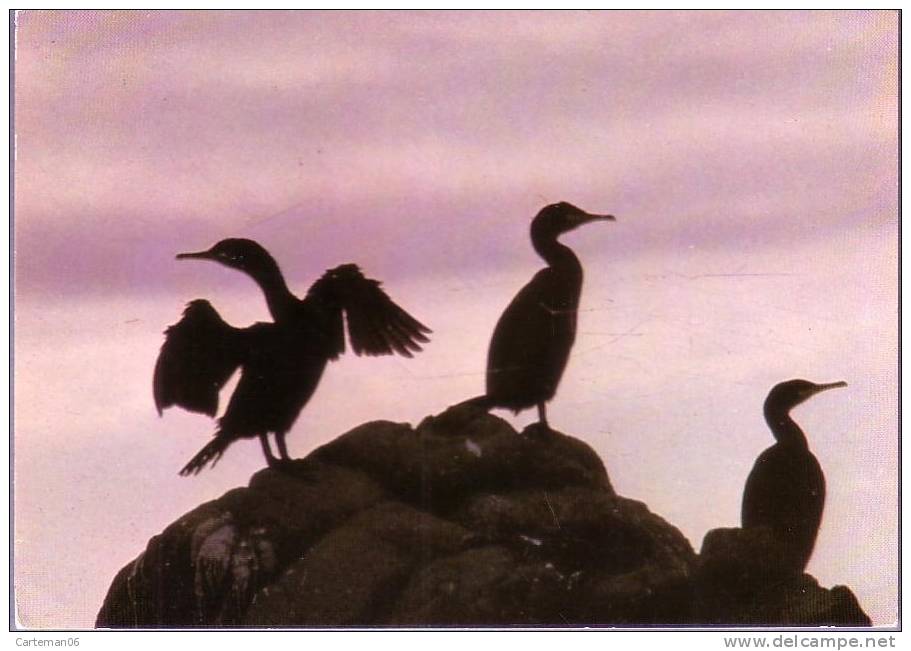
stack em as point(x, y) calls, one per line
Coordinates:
point(462, 452)
point(352, 574)
point(459, 522)
point(493, 585)
point(205, 569)
point(740, 580)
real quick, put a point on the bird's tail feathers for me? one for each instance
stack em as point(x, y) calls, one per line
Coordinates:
point(210, 453)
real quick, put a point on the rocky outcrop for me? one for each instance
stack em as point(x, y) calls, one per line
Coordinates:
point(740, 582)
point(461, 521)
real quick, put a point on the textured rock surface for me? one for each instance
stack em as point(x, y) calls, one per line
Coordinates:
point(460, 521)
point(739, 582)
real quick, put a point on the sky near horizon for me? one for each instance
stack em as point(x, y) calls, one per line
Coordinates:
point(750, 159)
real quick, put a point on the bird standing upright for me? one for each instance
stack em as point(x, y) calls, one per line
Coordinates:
point(532, 340)
point(786, 490)
point(281, 362)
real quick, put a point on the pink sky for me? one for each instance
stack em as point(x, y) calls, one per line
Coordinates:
point(751, 159)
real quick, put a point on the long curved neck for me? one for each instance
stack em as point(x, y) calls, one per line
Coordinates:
point(279, 298)
point(555, 253)
point(783, 427)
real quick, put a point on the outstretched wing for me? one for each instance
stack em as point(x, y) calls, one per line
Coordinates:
point(199, 354)
point(376, 325)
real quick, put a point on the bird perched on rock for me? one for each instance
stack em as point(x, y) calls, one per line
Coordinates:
point(281, 362)
point(786, 490)
point(531, 342)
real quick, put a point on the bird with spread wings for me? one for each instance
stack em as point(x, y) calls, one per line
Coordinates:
point(280, 362)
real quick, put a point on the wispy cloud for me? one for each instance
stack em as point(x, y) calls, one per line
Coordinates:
point(218, 118)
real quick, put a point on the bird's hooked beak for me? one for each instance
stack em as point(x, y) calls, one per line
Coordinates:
point(819, 388)
point(196, 255)
point(586, 217)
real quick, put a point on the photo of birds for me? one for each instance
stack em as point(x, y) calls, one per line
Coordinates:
point(281, 362)
point(455, 319)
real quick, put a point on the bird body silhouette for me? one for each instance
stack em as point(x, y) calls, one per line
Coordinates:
point(532, 340)
point(786, 490)
point(281, 362)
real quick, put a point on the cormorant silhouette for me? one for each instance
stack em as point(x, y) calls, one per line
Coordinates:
point(281, 362)
point(531, 342)
point(786, 490)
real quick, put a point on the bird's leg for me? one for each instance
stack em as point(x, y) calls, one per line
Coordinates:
point(270, 458)
point(282, 448)
point(542, 416)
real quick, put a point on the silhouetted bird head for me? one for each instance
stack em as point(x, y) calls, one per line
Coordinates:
point(785, 396)
point(559, 218)
point(237, 253)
